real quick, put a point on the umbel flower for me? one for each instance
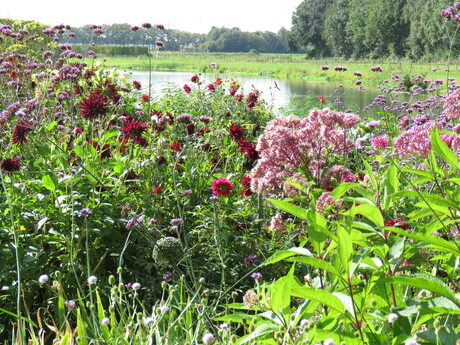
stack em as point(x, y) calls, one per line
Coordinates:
point(93, 106)
point(291, 144)
point(222, 186)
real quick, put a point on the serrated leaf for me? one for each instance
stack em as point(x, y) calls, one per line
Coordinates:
point(423, 281)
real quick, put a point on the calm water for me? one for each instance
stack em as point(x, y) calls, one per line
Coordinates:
point(287, 92)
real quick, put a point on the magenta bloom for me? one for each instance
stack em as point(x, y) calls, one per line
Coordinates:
point(222, 187)
point(379, 143)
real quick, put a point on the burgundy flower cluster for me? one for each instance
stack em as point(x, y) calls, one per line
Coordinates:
point(238, 134)
point(376, 69)
point(340, 68)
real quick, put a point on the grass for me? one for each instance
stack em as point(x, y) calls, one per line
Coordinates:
point(285, 66)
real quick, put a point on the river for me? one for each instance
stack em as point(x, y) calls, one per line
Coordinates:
point(280, 93)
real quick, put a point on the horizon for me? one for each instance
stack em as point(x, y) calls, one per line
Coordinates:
point(198, 17)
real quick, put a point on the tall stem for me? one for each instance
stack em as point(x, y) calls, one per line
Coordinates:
point(16, 253)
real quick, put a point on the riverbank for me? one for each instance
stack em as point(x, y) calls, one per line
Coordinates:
point(287, 66)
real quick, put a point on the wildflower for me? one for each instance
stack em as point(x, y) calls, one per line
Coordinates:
point(69, 304)
point(325, 199)
point(277, 223)
point(136, 286)
point(148, 320)
point(163, 309)
point(253, 97)
point(222, 187)
point(411, 341)
point(379, 143)
point(92, 280)
point(256, 276)
point(340, 68)
point(136, 84)
point(195, 79)
point(392, 317)
point(451, 105)
point(304, 323)
point(329, 341)
point(146, 25)
point(322, 100)
point(176, 221)
point(186, 192)
point(358, 74)
point(131, 223)
point(84, 212)
point(175, 146)
point(93, 106)
point(187, 89)
point(324, 67)
point(167, 276)
point(105, 321)
point(134, 129)
point(184, 118)
point(134, 28)
point(20, 131)
point(223, 327)
point(204, 119)
point(208, 338)
point(400, 223)
point(236, 132)
point(10, 165)
point(43, 279)
point(213, 65)
point(376, 69)
point(145, 98)
point(159, 44)
point(246, 183)
point(160, 26)
point(250, 260)
point(250, 298)
point(202, 280)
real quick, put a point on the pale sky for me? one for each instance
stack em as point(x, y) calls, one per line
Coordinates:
point(196, 16)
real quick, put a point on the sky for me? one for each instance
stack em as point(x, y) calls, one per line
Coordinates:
point(197, 16)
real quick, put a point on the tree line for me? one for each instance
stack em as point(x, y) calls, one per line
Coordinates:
point(411, 29)
point(359, 29)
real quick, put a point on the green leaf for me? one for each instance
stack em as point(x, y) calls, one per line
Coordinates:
point(368, 211)
point(315, 262)
point(280, 294)
point(49, 182)
point(265, 329)
point(423, 281)
point(322, 296)
point(342, 189)
point(445, 335)
point(286, 206)
point(345, 250)
point(435, 242)
point(440, 147)
point(284, 254)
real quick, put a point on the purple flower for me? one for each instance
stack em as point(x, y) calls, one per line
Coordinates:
point(84, 212)
point(250, 260)
point(256, 276)
point(167, 276)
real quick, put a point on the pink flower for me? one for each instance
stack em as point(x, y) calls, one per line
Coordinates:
point(379, 143)
point(222, 186)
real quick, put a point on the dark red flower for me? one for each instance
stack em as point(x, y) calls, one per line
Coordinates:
point(190, 128)
point(329, 188)
point(175, 146)
point(249, 148)
point(104, 150)
point(157, 190)
point(111, 91)
point(253, 97)
point(94, 106)
point(145, 98)
point(137, 85)
point(237, 132)
point(239, 97)
point(20, 131)
point(246, 183)
point(222, 187)
point(160, 26)
point(134, 129)
point(233, 92)
point(211, 88)
point(141, 141)
point(195, 79)
point(11, 165)
point(400, 223)
point(187, 89)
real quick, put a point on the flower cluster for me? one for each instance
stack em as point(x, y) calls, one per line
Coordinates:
point(340, 68)
point(291, 144)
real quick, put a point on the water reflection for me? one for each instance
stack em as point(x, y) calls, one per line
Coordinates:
point(280, 93)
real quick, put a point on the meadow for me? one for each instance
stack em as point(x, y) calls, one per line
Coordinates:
point(201, 217)
point(285, 66)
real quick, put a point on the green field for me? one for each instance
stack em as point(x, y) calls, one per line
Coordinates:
point(284, 66)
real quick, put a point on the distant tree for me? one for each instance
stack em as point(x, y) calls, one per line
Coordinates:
point(429, 33)
point(335, 28)
point(307, 27)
